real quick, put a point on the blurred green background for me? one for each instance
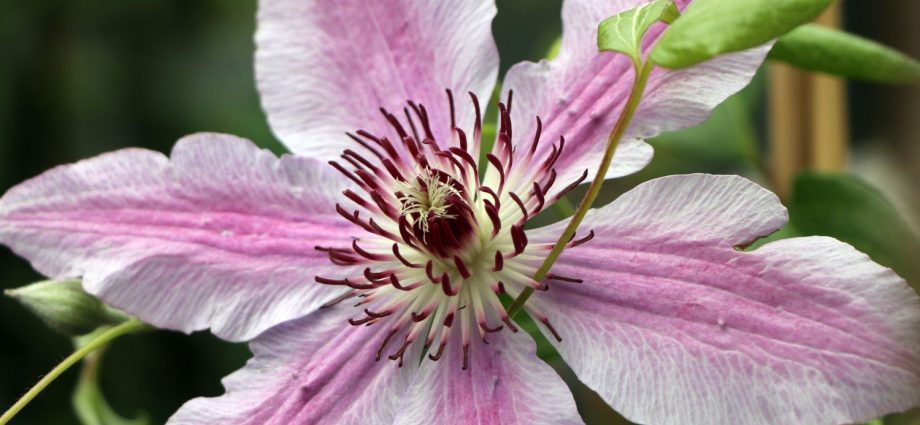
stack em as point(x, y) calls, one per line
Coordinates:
point(81, 78)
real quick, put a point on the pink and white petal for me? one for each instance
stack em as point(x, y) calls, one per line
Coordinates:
point(314, 370)
point(506, 383)
point(220, 236)
point(680, 327)
point(326, 67)
point(580, 93)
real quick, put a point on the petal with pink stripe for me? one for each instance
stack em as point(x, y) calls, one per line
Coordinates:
point(220, 236)
point(326, 67)
point(678, 326)
point(505, 383)
point(315, 370)
point(581, 93)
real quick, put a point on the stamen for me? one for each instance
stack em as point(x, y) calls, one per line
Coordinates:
point(553, 276)
point(384, 344)
point(444, 225)
point(575, 243)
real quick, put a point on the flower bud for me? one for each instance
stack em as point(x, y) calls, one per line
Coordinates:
point(65, 307)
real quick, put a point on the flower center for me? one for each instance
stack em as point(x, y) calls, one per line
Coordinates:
point(436, 208)
point(438, 243)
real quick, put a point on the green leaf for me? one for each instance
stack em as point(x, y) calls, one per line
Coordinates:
point(623, 32)
point(713, 27)
point(823, 49)
point(849, 209)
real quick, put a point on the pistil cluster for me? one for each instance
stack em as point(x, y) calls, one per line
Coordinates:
point(442, 243)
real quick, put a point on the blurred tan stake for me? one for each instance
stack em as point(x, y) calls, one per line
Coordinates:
point(807, 119)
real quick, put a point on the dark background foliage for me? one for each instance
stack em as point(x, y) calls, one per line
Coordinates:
point(81, 78)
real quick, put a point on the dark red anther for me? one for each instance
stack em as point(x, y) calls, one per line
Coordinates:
point(411, 125)
point(391, 168)
point(519, 238)
point(361, 159)
point(361, 321)
point(348, 174)
point(548, 163)
point(375, 228)
point(461, 139)
point(492, 212)
point(405, 231)
point(369, 255)
point(384, 143)
point(418, 317)
point(344, 213)
point(465, 156)
point(454, 161)
point(501, 288)
point(477, 131)
point(510, 325)
point(369, 179)
point(342, 257)
point(375, 276)
point(423, 163)
point(327, 281)
point(378, 315)
point(356, 198)
point(550, 181)
point(384, 344)
point(554, 276)
point(536, 136)
point(383, 205)
point(449, 320)
point(498, 167)
point(538, 193)
point(450, 100)
point(396, 284)
point(499, 262)
point(517, 200)
point(399, 354)
point(575, 243)
point(485, 327)
point(429, 270)
point(422, 114)
point(394, 123)
point(552, 329)
point(493, 195)
point(410, 143)
point(573, 185)
point(354, 163)
point(365, 145)
point(445, 285)
point(402, 259)
point(437, 356)
point(461, 268)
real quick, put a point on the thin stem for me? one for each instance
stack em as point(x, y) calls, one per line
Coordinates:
point(642, 72)
point(103, 339)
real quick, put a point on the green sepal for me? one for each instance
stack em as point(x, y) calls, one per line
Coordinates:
point(65, 307)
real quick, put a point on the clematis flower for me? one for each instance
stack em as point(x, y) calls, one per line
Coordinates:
point(367, 267)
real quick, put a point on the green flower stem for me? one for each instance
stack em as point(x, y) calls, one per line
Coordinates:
point(642, 71)
point(130, 326)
